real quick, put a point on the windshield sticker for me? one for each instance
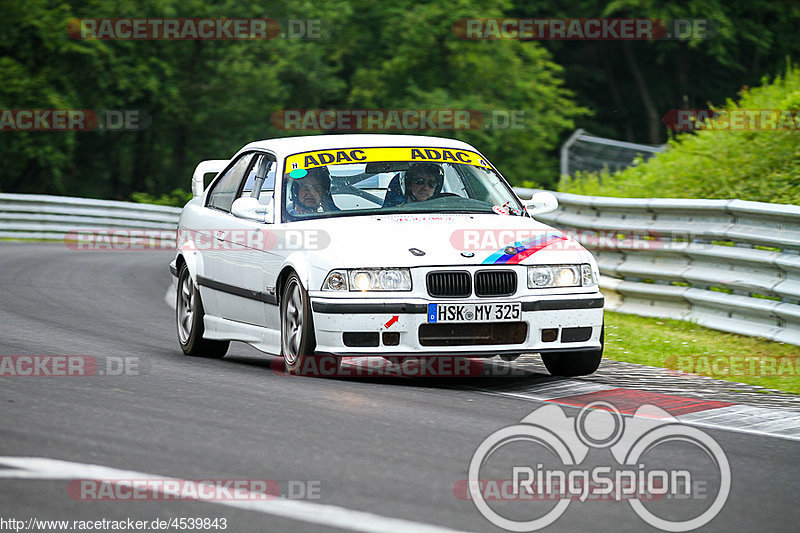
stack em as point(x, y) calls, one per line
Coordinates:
point(511, 209)
point(511, 255)
point(319, 158)
point(298, 173)
point(427, 218)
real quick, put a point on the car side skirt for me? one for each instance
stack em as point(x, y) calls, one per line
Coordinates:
point(265, 297)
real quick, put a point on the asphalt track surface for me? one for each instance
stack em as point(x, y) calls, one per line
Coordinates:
point(377, 449)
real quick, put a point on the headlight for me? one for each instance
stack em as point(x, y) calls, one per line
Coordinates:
point(368, 279)
point(361, 281)
point(336, 281)
point(547, 276)
point(540, 277)
point(566, 277)
point(587, 276)
point(393, 280)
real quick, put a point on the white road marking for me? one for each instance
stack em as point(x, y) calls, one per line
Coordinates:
point(304, 511)
point(548, 391)
point(763, 421)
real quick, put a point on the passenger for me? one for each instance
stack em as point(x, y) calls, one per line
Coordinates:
point(423, 181)
point(312, 192)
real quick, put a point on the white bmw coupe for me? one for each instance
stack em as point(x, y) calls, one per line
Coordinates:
point(398, 246)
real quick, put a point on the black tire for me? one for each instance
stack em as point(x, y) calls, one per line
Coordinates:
point(297, 332)
point(189, 315)
point(570, 364)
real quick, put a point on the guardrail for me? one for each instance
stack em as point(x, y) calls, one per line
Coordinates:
point(731, 265)
point(43, 217)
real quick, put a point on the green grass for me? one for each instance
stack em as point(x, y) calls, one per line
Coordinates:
point(685, 346)
point(18, 239)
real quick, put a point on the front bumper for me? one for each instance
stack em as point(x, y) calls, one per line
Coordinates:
point(568, 313)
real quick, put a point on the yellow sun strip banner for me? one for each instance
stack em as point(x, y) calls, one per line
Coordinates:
point(306, 160)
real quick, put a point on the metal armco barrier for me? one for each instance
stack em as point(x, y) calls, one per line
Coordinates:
point(33, 216)
point(730, 265)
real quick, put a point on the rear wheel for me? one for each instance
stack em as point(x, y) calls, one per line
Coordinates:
point(569, 364)
point(297, 333)
point(189, 314)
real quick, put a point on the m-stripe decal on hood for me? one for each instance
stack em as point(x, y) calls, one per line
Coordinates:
point(524, 249)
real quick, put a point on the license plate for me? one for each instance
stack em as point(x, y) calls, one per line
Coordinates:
point(489, 312)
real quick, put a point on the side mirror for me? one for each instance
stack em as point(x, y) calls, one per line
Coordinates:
point(249, 208)
point(540, 203)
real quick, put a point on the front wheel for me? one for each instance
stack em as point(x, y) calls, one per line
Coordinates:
point(189, 313)
point(297, 330)
point(570, 364)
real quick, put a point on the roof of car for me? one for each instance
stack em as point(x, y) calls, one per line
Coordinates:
point(293, 145)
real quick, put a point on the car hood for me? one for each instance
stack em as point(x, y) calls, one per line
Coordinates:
point(438, 239)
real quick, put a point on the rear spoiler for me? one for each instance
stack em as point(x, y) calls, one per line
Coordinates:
point(212, 166)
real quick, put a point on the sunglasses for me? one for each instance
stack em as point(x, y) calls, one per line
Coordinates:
point(307, 186)
point(422, 181)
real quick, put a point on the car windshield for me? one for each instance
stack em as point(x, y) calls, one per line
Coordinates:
point(329, 183)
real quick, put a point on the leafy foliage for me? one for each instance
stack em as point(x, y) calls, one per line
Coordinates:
point(208, 98)
point(176, 198)
point(717, 163)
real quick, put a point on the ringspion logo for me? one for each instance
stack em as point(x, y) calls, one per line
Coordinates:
point(675, 477)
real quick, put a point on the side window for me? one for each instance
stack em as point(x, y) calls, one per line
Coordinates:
point(268, 188)
point(224, 192)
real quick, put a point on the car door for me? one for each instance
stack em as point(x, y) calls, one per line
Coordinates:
point(223, 279)
point(248, 254)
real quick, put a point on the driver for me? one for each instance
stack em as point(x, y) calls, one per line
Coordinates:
point(423, 182)
point(312, 192)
